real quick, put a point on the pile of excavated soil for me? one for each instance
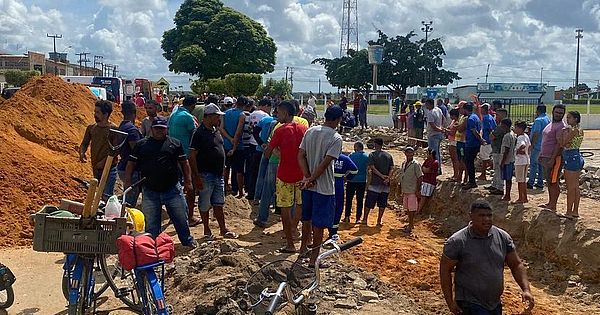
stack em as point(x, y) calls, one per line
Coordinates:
point(41, 128)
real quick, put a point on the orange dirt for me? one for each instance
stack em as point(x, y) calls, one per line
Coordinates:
point(41, 127)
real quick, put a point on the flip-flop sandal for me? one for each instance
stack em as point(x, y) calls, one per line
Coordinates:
point(194, 223)
point(208, 238)
point(231, 235)
point(285, 250)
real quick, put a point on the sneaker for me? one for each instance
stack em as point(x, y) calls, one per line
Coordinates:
point(277, 211)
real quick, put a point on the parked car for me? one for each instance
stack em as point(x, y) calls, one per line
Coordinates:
point(9, 92)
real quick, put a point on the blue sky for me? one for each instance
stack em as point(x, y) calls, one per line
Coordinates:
point(517, 37)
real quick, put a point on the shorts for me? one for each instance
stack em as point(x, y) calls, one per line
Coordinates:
point(410, 203)
point(318, 208)
point(521, 173)
point(485, 152)
point(236, 161)
point(212, 193)
point(460, 150)
point(552, 172)
point(573, 161)
point(374, 198)
point(507, 171)
point(427, 189)
point(403, 117)
point(288, 194)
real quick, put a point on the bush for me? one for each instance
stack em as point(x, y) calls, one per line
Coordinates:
point(242, 83)
point(580, 101)
point(19, 77)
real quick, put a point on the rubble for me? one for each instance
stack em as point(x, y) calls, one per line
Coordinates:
point(589, 182)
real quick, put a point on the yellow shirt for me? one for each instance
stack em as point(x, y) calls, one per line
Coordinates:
point(460, 137)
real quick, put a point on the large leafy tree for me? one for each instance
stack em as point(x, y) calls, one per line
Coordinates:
point(351, 71)
point(408, 63)
point(274, 87)
point(210, 41)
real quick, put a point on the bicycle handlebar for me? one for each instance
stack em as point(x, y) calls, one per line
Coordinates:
point(277, 299)
point(350, 244)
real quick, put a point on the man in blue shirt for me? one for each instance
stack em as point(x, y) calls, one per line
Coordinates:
point(133, 136)
point(181, 127)
point(231, 129)
point(357, 184)
point(535, 167)
point(261, 134)
point(343, 168)
point(485, 153)
point(473, 142)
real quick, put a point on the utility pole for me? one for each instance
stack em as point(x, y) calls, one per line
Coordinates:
point(54, 37)
point(579, 37)
point(85, 60)
point(80, 61)
point(291, 79)
point(427, 29)
point(542, 76)
point(320, 85)
point(114, 74)
point(98, 60)
point(286, 74)
point(487, 72)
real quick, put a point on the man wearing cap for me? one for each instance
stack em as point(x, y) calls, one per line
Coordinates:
point(411, 177)
point(231, 128)
point(158, 158)
point(207, 161)
point(320, 146)
point(181, 126)
point(476, 255)
point(380, 164)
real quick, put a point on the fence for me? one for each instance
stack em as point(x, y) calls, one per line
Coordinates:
point(518, 108)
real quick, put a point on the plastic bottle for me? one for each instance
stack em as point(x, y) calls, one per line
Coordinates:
point(113, 208)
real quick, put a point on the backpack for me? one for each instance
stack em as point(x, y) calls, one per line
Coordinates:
point(142, 249)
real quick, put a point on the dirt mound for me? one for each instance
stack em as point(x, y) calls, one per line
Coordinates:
point(41, 127)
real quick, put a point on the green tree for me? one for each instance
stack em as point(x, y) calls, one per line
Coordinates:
point(242, 83)
point(19, 77)
point(210, 41)
point(351, 71)
point(407, 63)
point(274, 87)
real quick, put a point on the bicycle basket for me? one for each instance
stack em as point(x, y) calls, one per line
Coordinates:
point(271, 275)
point(74, 235)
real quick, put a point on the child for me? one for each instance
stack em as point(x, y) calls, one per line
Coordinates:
point(430, 172)
point(411, 177)
point(343, 168)
point(357, 184)
point(451, 133)
point(508, 157)
point(523, 149)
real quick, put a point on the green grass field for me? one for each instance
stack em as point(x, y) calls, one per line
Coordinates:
point(382, 109)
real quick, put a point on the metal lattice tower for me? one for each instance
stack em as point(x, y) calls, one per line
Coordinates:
point(349, 34)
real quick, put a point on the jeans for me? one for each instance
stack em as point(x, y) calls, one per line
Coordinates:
point(268, 193)
point(470, 155)
point(134, 194)
point(174, 200)
point(260, 179)
point(536, 171)
point(353, 188)
point(433, 143)
point(109, 189)
point(497, 181)
point(469, 308)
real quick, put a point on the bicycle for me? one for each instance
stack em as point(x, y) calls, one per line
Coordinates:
point(7, 295)
point(289, 280)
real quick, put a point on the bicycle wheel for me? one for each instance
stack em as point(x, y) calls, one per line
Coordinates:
point(121, 282)
point(152, 294)
point(7, 297)
point(101, 280)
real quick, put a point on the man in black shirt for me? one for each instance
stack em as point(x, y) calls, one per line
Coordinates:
point(207, 160)
point(157, 158)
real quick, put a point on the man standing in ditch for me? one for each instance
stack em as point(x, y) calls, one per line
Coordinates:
point(550, 156)
point(477, 254)
point(96, 137)
point(320, 146)
point(380, 164)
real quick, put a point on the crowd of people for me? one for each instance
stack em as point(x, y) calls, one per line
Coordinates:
point(274, 153)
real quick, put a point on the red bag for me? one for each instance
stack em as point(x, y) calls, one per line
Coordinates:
point(142, 249)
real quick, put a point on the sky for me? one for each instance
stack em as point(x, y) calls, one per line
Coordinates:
point(517, 38)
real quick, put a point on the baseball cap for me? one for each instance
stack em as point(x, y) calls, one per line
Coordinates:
point(461, 104)
point(418, 103)
point(409, 148)
point(228, 100)
point(334, 112)
point(159, 122)
point(212, 109)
